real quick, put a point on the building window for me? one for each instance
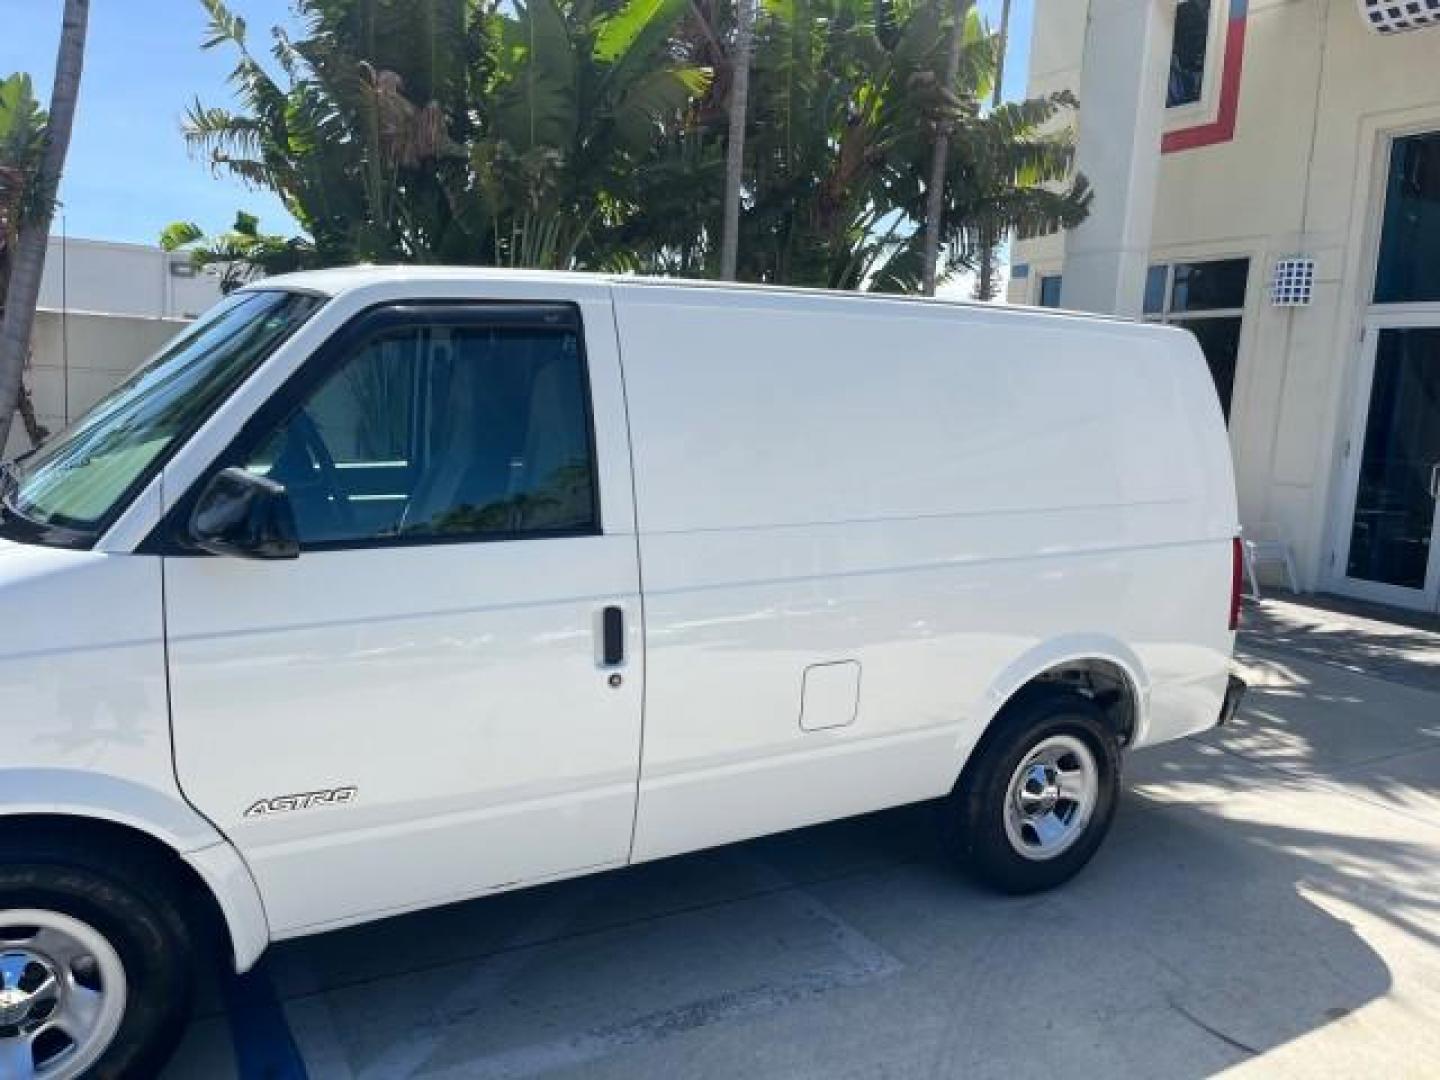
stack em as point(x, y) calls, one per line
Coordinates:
point(1209, 286)
point(1188, 53)
point(1208, 299)
point(1409, 271)
point(1157, 283)
point(1050, 291)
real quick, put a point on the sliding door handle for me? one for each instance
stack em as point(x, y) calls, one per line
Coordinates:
point(612, 637)
point(1435, 481)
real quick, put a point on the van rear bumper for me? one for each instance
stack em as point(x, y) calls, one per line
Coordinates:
point(1234, 692)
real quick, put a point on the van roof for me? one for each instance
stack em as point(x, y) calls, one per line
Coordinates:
point(339, 280)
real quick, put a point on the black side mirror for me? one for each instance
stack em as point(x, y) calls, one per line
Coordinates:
point(245, 515)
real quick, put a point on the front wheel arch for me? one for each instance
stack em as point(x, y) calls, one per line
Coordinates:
point(124, 843)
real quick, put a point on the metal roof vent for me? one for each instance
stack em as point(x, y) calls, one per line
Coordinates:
point(1397, 16)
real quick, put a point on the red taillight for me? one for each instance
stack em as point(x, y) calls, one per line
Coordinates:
point(1237, 576)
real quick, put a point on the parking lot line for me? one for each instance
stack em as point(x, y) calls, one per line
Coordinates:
point(264, 1047)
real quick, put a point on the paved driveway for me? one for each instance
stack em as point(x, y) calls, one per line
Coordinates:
point(1269, 901)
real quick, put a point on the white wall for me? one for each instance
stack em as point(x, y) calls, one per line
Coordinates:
point(123, 279)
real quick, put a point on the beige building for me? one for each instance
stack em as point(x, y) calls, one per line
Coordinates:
point(1268, 175)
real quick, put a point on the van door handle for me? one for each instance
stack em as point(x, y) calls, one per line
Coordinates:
point(612, 637)
point(1435, 481)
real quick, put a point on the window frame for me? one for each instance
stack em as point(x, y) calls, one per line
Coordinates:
point(1384, 176)
point(1207, 107)
point(1169, 316)
point(170, 537)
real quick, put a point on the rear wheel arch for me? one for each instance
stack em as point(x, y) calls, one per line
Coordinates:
point(1102, 670)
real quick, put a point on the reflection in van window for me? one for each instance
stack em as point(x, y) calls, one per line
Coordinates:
point(83, 477)
point(442, 433)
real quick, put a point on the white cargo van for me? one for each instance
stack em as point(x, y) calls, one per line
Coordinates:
point(380, 589)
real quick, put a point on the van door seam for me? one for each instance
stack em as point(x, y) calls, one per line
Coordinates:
point(639, 572)
point(224, 837)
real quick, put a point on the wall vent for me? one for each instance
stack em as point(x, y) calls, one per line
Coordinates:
point(1398, 16)
point(1293, 282)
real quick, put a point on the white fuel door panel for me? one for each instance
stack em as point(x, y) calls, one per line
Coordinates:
point(830, 695)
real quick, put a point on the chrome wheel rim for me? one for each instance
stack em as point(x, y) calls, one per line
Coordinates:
point(62, 995)
point(1051, 797)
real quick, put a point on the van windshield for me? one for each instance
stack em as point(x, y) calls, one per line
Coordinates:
point(70, 489)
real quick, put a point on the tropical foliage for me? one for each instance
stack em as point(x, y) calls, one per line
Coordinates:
point(243, 251)
point(22, 138)
point(593, 134)
point(22, 135)
point(442, 131)
point(34, 207)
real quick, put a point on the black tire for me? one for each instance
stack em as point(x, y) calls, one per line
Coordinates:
point(973, 816)
point(132, 904)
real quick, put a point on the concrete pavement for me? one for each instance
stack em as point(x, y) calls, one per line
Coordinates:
point(1269, 902)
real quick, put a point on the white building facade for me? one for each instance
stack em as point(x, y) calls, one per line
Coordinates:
point(1268, 176)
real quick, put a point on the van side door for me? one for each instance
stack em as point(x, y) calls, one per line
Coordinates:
point(432, 700)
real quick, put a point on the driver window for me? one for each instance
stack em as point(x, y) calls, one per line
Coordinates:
point(441, 433)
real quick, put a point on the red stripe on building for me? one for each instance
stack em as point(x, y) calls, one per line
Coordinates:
point(1222, 128)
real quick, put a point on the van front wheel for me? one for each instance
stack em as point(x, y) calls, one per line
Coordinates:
point(1036, 801)
point(95, 969)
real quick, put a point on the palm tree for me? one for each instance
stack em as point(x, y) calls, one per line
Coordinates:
point(354, 125)
point(841, 92)
point(478, 135)
point(22, 141)
point(1017, 179)
point(735, 139)
point(841, 148)
point(940, 155)
point(240, 254)
point(579, 113)
point(23, 291)
point(985, 280)
point(590, 133)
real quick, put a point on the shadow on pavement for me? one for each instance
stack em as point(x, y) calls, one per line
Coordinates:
point(1336, 635)
point(1376, 739)
point(853, 949)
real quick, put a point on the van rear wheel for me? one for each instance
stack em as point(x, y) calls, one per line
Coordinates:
point(1038, 797)
point(95, 969)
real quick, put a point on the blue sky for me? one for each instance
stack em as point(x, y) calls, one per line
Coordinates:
point(129, 173)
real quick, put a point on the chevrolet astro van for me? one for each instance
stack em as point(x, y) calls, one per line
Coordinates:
point(385, 588)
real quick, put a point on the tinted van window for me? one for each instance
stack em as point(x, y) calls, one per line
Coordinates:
point(442, 434)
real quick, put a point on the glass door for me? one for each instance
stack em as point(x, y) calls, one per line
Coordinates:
point(1387, 547)
point(1391, 550)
